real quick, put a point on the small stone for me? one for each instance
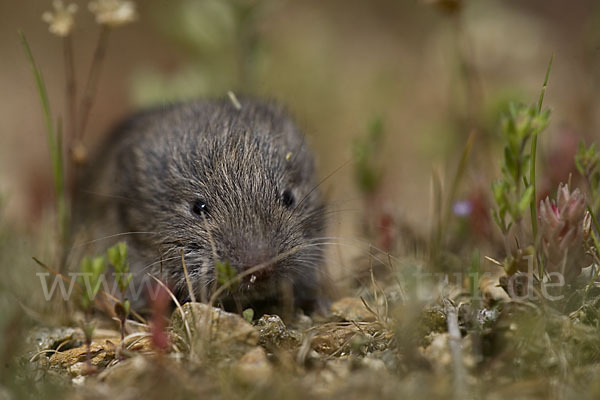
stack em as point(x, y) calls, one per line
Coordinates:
point(333, 339)
point(491, 290)
point(374, 364)
point(303, 322)
point(440, 356)
point(254, 368)
point(44, 339)
point(74, 360)
point(77, 370)
point(274, 335)
point(352, 309)
point(142, 346)
point(225, 332)
point(126, 372)
point(438, 352)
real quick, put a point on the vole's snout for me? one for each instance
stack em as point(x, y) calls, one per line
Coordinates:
point(257, 257)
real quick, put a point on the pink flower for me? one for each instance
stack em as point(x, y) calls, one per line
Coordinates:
point(562, 231)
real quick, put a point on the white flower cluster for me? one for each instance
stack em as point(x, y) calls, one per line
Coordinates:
point(62, 19)
point(108, 12)
point(113, 12)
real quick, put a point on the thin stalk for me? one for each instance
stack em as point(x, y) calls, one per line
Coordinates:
point(70, 89)
point(61, 198)
point(437, 216)
point(533, 204)
point(91, 85)
point(543, 92)
point(457, 178)
point(187, 278)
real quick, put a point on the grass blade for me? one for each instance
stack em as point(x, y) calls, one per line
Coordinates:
point(54, 139)
point(533, 203)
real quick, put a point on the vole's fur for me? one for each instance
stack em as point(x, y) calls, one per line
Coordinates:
point(221, 184)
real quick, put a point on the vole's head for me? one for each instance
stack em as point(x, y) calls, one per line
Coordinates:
point(227, 186)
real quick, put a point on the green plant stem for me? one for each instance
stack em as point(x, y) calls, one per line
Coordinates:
point(533, 204)
point(458, 177)
point(71, 114)
point(437, 218)
point(70, 89)
point(92, 80)
point(545, 85)
point(532, 182)
point(61, 198)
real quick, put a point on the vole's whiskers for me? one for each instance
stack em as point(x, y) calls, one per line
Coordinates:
point(107, 195)
point(112, 237)
point(353, 243)
point(148, 266)
point(311, 191)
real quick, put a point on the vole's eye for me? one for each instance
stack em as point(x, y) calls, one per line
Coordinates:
point(287, 198)
point(199, 208)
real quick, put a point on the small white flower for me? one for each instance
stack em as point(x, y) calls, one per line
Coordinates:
point(113, 12)
point(61, 20)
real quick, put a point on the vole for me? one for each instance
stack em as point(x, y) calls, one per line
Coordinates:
point(231, 187)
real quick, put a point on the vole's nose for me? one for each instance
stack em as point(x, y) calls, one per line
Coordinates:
point(259, 259)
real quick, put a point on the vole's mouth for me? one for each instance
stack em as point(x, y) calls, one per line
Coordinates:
point(257, 278)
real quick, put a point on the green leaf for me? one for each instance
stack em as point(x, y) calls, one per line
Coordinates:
point(526, 199)
point(225, 273)
point(510, 162)
point(117, 256)
point(122, 309)
point(498, 221)
point(248, 314)
point(92, 270)
point(499, 189)
point(88, 330)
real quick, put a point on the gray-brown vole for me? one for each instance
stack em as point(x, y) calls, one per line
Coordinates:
point(223, 184)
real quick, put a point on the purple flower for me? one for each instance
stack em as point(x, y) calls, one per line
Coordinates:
point(462, 208)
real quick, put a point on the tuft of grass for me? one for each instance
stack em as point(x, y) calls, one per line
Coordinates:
point(55, 145)
point(514, 192)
